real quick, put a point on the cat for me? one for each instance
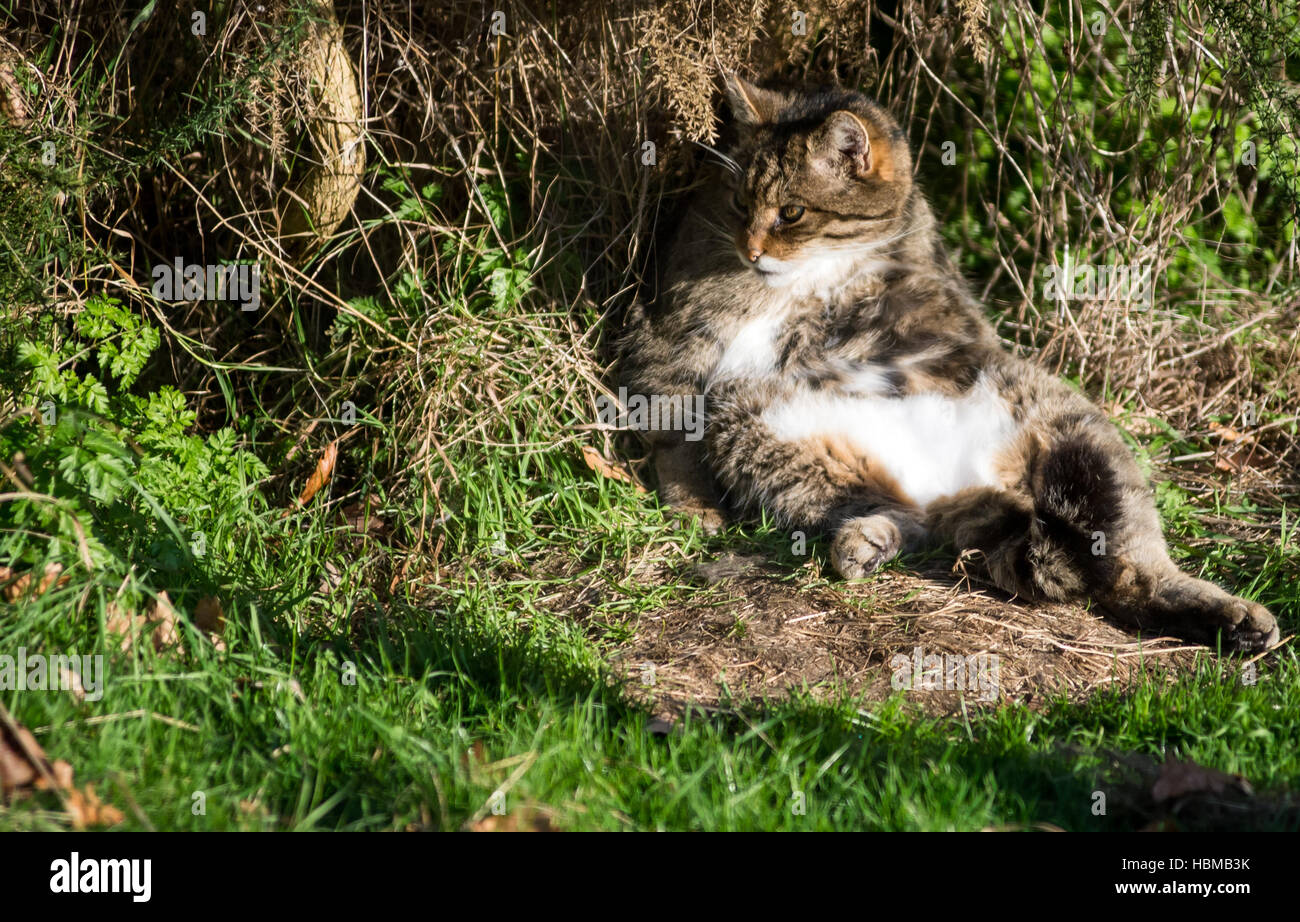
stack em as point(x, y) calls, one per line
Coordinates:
point(853, 385)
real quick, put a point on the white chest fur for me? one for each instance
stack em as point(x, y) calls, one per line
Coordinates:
point(751, 353)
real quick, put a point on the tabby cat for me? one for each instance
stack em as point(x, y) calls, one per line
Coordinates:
point(853, 385)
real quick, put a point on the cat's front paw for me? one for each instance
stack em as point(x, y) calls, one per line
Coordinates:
point(863, 545)
point(711, 518)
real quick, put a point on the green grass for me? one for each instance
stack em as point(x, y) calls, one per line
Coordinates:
point(452, 698)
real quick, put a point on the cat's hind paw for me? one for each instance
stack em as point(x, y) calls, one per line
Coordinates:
point(1252, 627)
point(1201, 610)
point(863, 545)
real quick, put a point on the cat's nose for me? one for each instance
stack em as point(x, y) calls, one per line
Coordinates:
point(753, 249)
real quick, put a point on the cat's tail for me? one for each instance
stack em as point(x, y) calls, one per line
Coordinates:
point(1048, 539)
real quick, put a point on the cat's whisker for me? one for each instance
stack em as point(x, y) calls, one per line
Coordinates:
point(722, 232)
point(723, 159)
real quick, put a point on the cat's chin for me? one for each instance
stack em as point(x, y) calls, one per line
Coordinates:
point(776, 278)
point(813, 274)
point(773, 273)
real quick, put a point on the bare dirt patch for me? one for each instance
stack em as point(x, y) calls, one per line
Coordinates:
point(749, 628)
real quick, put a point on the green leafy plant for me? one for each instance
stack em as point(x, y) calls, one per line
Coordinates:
point(114, 479)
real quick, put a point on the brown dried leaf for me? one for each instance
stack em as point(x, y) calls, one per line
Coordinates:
point(53, 572)
point(253, 808)
point(1228, 434)
point(62, 772)
point(13, 105)
point(473, 759)
point(1179, 779)
point(19, 587)
point(363, 517)
point(87, 810)
point(606, 468)
point(211, 619)
point(332, 579)
point(209, 616)
point(162, 616)
point(524, 820)
point(16, 768)
point(122, 624)
point(321, 476)
point(8, 578)
point(23, 763)
point(1240, 456)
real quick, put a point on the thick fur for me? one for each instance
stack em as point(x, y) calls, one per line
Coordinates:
point(853, 384)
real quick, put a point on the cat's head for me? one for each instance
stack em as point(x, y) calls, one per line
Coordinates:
point(822, 186)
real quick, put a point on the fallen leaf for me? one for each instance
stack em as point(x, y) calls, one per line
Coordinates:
point(161, 617)
point(211, 619)
point(16, 589)
point(119, 623)
point(1244, 449)
point(473, 758)
point(12, 103)
point(524, 820)
point(1228, 434)
point(87, 810)
point(321, 476)
point(62, 772)
point(23, 763)
point(364, 518)
point(1238, 460)
point(17, 767)
point(606, 468)
point(52, 573)
point(18, 585)
point(1179, 779)
point(208, 615)
point(332, 579)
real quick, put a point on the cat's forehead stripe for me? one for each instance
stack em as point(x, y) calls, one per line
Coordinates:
point(767, 178)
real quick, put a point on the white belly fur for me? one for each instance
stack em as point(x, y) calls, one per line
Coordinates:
point(932, 445)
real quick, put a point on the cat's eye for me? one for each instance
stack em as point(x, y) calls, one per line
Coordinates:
point(791, 213)
point(738, 202)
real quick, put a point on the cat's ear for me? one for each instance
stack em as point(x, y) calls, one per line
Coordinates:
point(752, 105)
point(842, 144)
